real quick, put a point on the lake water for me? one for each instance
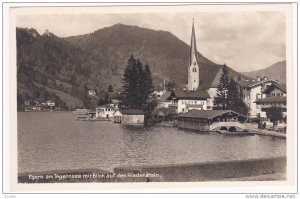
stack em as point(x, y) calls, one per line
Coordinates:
point(57, 141)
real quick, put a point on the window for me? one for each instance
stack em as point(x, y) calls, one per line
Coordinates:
point(248, 96)
point(258, 96)
point(195, 70)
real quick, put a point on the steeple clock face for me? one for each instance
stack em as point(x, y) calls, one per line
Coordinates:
point(194, 63)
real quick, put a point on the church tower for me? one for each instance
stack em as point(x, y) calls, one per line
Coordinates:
point(193, 70)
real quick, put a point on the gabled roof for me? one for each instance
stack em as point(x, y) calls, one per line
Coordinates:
point(132, 112)
point(281, 87)
point(207, 114)
point(272, 99)
point(209, 76)
point(193, 95)
point(165, 96)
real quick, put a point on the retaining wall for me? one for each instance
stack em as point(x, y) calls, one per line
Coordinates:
point(210, 171)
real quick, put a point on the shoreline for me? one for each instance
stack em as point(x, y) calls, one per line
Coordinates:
point(251, 130)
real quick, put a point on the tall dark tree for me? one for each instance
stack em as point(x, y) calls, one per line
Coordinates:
point(221, 101)
point(141, 94)
point(274, 114)
point(234, 98)
point(149, 88)
point(137, 85)
point(129, 87)
point(150, 100)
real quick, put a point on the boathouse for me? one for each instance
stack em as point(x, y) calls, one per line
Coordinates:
point(106, 111)
point(129, 116)
point(210, 120)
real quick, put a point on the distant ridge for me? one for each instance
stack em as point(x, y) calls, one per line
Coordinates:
point(276, 71)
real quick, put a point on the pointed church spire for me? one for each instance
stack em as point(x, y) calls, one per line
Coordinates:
point(193, 51)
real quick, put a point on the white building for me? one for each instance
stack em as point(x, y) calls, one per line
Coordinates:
point(105, 111)
point(129, 117)
point(184, 101)
point(50, 103)
point(92, 93)
point(275, 96)
point(252, 91)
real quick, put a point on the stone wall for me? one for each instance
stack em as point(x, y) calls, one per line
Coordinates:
point(210, 171)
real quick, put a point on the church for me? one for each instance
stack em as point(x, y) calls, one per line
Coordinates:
point(202, 84)
point(193, 97)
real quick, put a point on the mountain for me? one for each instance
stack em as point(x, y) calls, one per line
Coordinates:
point(76, 64)
point(275, 71)
point(53, 63)
point(166, 54)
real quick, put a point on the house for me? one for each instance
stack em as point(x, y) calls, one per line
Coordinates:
point(275, 90)
point(117, 117)
point(184, 100)
point(132, 117)
point(92, 93)
point(252, 91)
point(106, 111)
point(209, 120)
point(275, 97)
point(50, 103)
point(163, 101)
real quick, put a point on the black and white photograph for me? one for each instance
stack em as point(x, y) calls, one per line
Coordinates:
point(152, 94)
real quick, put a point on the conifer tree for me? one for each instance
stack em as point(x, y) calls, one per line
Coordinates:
point(141, 85)
point(137, 85)
point(129, 84)
point(148, 80)
point(150, 101)
point(234, 98)
point(221, 101)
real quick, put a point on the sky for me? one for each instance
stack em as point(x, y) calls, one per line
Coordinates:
point(245, 41)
